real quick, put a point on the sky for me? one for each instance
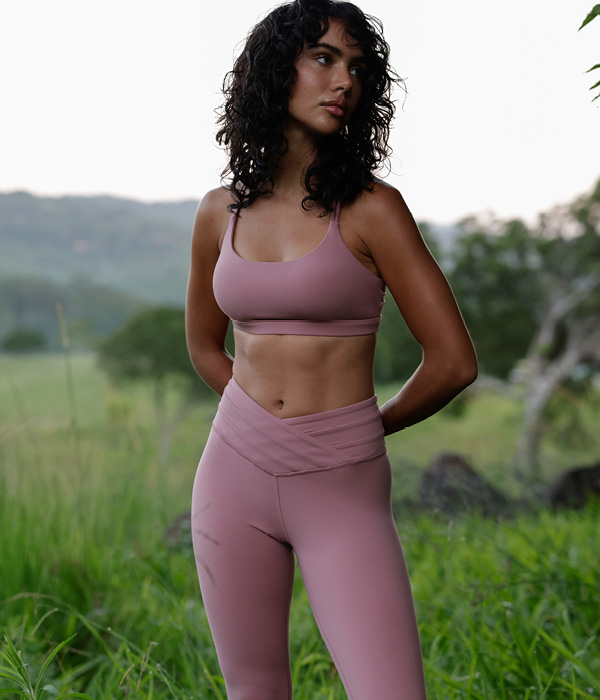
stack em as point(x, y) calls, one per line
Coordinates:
point(118, 97)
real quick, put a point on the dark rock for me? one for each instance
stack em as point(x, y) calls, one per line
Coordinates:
point(451, 485)
point(574, 487)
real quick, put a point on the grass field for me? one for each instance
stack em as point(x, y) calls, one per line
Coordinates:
point(506, 609)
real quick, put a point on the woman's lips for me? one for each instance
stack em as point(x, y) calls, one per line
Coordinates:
point(336, 111)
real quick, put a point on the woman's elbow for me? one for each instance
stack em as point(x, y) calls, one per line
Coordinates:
point(469, 374)
point(465, 371)
point(454, 371)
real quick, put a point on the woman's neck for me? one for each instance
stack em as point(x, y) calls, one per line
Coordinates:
point(292, 166)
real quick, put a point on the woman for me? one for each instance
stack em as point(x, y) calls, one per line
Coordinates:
point(295, 462)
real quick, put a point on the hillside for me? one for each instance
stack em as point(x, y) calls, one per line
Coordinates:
point(138, 248)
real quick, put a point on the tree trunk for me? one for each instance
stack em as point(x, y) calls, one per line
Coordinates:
point(528, 446)
point(546, 377)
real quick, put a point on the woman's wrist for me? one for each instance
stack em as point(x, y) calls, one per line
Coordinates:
point(390, 422)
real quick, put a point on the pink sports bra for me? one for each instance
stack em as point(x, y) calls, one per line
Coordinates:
point(327, 291)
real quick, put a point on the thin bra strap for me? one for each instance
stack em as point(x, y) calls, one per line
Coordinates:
point(336, 211)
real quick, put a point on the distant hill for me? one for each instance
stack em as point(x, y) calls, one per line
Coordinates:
point(134, 247)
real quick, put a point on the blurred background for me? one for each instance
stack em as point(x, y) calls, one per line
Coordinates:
point(106, 146)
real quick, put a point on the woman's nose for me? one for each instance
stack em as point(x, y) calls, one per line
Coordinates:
point(342, 78)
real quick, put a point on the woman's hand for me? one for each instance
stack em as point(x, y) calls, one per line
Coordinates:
point(427, 304)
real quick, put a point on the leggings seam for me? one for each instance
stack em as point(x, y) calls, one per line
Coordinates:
point(285, 532)
point(346, 463)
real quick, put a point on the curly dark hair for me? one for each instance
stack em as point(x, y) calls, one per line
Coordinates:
point(257, 91)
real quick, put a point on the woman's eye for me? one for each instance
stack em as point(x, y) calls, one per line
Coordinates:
point(325, 59)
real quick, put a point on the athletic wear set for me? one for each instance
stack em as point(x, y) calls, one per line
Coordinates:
point(316, 485)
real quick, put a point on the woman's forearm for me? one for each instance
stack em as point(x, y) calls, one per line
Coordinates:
point(427, 391)
point(215, 367)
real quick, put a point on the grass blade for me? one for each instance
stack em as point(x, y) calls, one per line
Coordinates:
point(48, 660)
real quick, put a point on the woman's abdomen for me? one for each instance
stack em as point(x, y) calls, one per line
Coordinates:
point(293, 375)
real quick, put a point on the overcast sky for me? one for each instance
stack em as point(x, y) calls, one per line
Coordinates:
point(118, 96)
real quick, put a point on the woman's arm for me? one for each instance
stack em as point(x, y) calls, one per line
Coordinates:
point(427, 304)
point(205, 324)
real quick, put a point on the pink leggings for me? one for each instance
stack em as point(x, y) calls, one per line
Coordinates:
point(319, 486)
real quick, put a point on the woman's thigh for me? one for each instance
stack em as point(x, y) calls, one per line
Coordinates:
point(246, 573)
point(341, 525)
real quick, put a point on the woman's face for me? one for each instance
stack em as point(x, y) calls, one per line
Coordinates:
point(330, 70)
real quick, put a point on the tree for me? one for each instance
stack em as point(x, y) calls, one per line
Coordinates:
point(493, 273)
point(23, 340)
point(595, 12)
point(568, 324)
point(151, 346)
point(533, 294)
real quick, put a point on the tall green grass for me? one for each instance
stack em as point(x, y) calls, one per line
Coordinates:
point(506, 609)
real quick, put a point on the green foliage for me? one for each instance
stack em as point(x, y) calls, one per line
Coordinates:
point(568, 241)
point(565, 415)
point(494, 278)
point(595, 12)
point(16, 672)
point(151, 345)
point(507, 276)
point(23, 340)
point(519, 608)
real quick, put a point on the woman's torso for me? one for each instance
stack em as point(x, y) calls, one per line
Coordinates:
point(293, 375)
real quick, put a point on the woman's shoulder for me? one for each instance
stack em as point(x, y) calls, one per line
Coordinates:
point(380, 203)
point(212, 217)
point(215, 201)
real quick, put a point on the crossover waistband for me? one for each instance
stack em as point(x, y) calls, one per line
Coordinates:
point(292, 446)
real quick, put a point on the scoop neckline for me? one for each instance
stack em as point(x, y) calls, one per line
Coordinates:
point(332, 220)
